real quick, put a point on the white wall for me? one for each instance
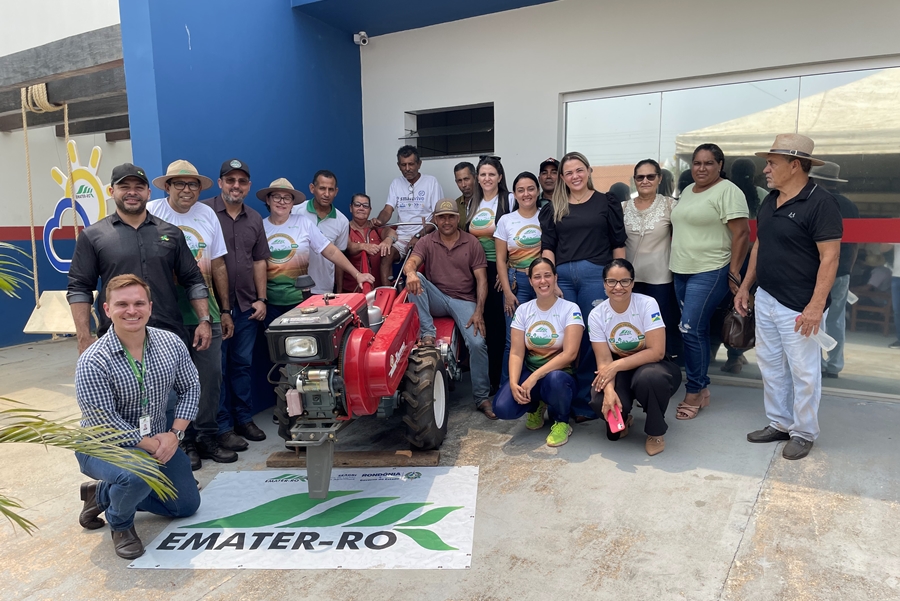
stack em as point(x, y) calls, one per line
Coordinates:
point(47, 151)
point(524, 60)
point(29, 23)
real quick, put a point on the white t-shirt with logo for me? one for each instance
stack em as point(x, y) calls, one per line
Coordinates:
point(522, 236)
point(291, 245)
point(625, 332)
point(203, 234)
point(335, 227)
point(544, 330)
point(413, 204)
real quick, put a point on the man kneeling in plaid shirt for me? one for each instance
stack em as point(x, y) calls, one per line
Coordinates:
point(123, 382)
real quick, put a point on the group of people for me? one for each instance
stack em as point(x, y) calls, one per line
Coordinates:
point(188, 285)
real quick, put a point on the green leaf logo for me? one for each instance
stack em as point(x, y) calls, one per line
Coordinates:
point(288, 508)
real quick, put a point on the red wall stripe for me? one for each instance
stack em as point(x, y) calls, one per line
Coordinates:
point(19, 233)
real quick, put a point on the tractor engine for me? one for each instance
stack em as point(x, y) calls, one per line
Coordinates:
point(338, 360)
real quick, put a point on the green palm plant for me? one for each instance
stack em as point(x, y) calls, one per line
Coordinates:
point(13, 274)
point(19, 423)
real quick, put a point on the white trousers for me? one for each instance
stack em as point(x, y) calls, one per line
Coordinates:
point(790, 364)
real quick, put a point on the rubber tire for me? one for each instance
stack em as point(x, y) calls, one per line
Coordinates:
point(422, 430)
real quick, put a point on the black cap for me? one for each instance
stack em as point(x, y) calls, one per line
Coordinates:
point(124, 170)
point(232, 164)
point(550, 161)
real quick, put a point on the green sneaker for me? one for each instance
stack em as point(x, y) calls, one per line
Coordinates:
point(535, 419)
point(559, 434)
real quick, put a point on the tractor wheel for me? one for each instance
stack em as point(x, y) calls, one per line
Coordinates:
point(425, 400)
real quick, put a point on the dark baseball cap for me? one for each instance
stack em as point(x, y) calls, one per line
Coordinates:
point(550, 161)
point(124, 170)
point(232, 164)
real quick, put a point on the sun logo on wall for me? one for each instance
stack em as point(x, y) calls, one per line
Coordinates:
point(90, 201)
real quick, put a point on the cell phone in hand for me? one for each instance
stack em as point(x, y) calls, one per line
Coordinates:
point(614, 419)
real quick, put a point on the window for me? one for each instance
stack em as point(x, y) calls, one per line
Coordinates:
point(854, 118)
point(463, 131)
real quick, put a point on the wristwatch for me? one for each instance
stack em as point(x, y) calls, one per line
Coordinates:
point(263, 301)
point(205, 318)
point(179, 434)
point(226, 312)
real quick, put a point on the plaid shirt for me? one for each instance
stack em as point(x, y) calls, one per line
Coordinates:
point(108, 392)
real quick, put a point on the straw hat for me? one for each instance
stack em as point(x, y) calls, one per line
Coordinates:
point(828, 172)
point(281, 185)
point(793, 145)
point(873, 260)
point(181, 168)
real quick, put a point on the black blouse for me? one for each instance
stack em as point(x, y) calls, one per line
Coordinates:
point(589, 232)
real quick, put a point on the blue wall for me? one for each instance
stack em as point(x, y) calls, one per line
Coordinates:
point(210, 80)
point(14, 312)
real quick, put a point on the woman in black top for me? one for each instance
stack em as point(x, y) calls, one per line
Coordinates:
point(581, 231)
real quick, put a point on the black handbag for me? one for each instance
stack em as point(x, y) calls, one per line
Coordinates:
point(739, 332)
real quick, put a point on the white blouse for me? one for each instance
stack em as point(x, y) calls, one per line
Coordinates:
point(649, 243)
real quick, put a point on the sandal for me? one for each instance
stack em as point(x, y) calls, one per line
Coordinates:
point(686, 410)
point(427, 341)
point(485, 407)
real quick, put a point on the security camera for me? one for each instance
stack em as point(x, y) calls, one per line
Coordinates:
point(361, 39)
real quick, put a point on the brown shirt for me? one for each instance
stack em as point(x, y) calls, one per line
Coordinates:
point(452, 270)
point(245, 239)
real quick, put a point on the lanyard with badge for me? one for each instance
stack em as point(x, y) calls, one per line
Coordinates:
point(141, 375)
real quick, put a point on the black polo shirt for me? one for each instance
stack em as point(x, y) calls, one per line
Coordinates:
point(156, 252)
point(787, 260)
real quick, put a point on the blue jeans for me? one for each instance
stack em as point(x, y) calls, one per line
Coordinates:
point(434, 303)
point(835, 325)
point(236, 398)
point(581, 282)
point(557, 389)
point(895, 296)
point(120, 493)
point(698, 296)
point(524, 293)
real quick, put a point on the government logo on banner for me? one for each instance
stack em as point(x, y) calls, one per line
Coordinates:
point(90, 201)
point(388, 518)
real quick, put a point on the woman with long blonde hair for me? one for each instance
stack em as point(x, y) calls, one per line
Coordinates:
point(581, 231)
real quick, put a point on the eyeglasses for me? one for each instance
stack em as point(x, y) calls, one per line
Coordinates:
point(649, 177)
point(192, 186)
point(625, 282)
point(240, 180)
point(283, 199)
point(360, 205)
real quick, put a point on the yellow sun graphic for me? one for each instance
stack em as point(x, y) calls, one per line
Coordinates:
point(89, 192)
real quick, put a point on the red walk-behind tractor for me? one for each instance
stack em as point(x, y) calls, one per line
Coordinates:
point(344, 356)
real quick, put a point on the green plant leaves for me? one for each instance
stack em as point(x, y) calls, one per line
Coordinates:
point(339, 514)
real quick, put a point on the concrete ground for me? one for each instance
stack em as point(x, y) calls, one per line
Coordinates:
point(713, 517)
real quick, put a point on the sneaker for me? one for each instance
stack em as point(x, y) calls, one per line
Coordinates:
point(559, 434)
point(535, 419)
point(895, 344)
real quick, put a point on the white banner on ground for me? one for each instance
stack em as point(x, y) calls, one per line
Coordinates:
point(373, 518)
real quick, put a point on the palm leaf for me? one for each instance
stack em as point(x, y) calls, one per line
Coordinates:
point(13, 274)
point(22, 424)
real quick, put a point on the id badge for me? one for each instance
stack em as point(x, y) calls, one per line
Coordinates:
point(145, 425)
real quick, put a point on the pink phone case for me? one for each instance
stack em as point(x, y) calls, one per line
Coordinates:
point(614, 419)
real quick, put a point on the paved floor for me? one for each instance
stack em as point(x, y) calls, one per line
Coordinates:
point(713, 517)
